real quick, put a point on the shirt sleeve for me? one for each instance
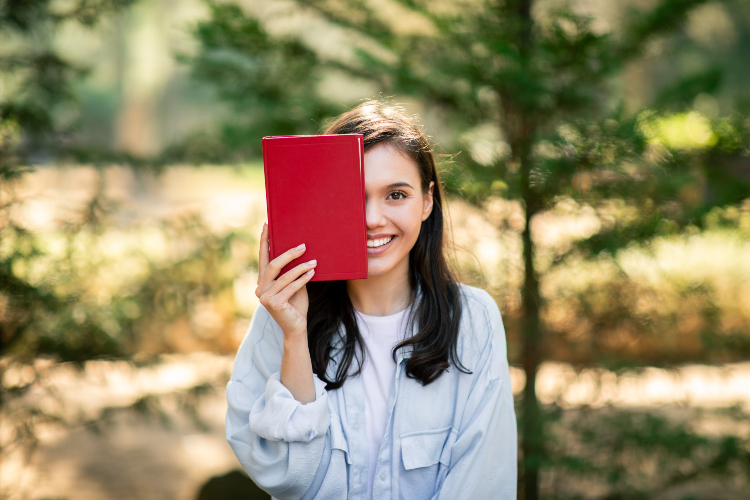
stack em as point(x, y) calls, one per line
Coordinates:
point(283, 445)
point(484, 456)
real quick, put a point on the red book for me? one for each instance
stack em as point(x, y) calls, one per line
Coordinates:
point(315, 194)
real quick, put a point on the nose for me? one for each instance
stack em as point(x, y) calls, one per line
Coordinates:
point(374, 215)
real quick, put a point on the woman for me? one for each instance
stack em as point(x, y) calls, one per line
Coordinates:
point(396, 386)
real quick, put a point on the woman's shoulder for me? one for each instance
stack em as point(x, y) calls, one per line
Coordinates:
point(477, 298)
point(481, 326)
point(479, 304)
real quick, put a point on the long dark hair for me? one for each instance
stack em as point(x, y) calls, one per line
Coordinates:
point(438, 310)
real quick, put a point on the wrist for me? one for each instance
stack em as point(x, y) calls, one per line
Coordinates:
point(295, 339)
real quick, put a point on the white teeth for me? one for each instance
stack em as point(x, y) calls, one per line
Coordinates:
point(379, 242)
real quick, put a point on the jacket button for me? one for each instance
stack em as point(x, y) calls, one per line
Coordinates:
point(382, 477)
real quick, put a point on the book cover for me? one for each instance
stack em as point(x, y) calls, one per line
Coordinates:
point(315, 195)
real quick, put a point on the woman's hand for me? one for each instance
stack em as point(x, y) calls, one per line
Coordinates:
point(284, 297)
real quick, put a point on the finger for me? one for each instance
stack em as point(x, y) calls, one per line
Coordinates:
point(269, 289)
point(289, 276)
point(263, 255)
point(271, 272)
point(295, 285)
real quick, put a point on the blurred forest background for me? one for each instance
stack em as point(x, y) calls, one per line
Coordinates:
point(597, 156)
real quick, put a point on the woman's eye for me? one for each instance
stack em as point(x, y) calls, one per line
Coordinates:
point(397, 195)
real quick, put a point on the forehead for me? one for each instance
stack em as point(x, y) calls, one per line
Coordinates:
point(385, 165)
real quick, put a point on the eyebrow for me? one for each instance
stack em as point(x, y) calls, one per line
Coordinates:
point(398, 185)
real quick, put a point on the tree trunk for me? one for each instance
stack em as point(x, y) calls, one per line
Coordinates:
point(532, 426)
point(521, 125)
point(532, 440)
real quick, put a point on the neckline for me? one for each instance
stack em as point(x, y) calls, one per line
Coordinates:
point(383, 319)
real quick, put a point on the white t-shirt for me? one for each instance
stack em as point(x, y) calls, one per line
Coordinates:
point(380, 334)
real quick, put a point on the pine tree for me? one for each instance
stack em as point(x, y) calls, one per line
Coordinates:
point(37, 85)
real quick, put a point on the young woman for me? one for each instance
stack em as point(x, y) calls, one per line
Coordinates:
point(396, 386)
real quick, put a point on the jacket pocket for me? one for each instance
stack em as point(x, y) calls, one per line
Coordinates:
point(425, 448)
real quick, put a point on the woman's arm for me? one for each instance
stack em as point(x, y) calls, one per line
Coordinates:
point(286, 300)
point(283, 444)
point(296, 369)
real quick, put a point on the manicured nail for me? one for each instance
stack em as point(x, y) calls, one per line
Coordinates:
point(300, 248)
point(312, 262)
point(310, 272)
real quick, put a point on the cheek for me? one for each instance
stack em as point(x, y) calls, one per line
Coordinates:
point(408, 220)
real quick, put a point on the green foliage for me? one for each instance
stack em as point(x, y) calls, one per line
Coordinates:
point(38, 85)
point(104, 305)
point(40, 80)
point(638, 454)
point(532, 78)
point(269, 80)
point(681, 95)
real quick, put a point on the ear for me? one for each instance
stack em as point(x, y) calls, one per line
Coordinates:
point(427, 205)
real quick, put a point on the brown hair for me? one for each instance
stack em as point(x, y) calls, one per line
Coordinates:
point(438, 312)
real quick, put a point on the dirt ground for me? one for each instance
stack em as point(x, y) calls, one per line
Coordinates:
point(133, 458)
point(153, 440)
point(150, 439)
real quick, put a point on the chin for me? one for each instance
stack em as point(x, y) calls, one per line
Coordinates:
point(375, 272)
point(379, 269)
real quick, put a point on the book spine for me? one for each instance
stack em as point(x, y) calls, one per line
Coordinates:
point(267, 177)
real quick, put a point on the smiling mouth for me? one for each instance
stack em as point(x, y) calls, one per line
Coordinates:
point(379, 242)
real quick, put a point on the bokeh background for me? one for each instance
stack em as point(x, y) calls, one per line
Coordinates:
point(597, 160)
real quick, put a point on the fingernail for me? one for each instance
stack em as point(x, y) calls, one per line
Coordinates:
point(311, 271)
point(312, 262)
point(301, 247)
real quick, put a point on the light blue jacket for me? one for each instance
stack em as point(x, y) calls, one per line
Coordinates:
point(454, 438)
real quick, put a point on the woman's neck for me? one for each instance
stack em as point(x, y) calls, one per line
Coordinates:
point(381, 295)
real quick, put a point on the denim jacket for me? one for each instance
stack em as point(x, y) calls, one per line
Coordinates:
point(454, 438)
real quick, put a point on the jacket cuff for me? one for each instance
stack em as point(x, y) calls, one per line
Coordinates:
point(280, 417)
